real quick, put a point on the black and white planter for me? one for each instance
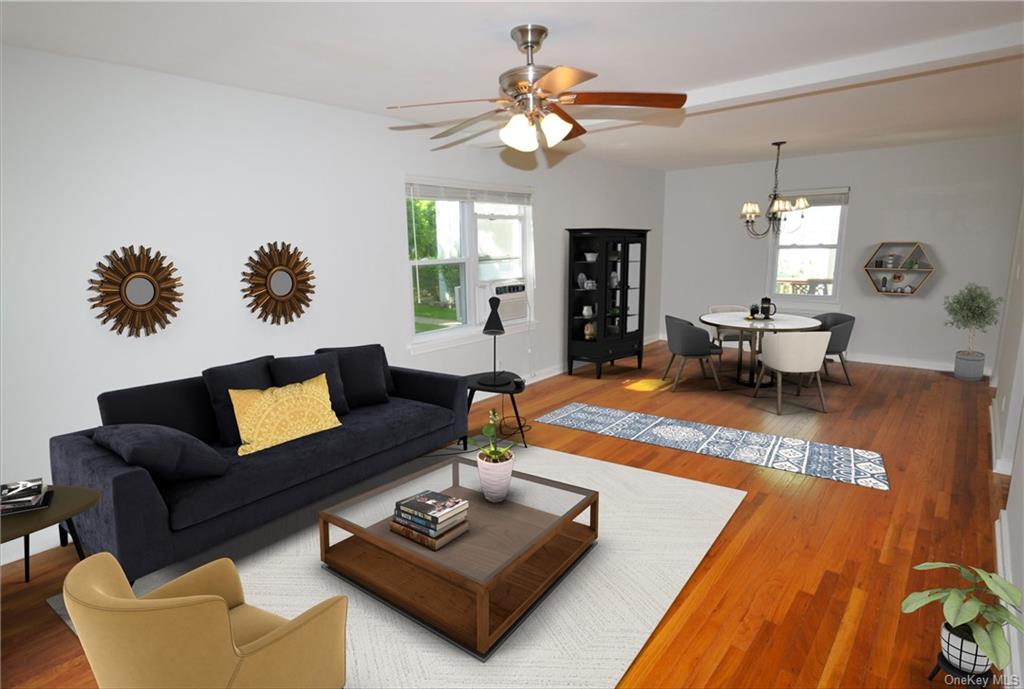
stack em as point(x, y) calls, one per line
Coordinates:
point(969, 366)
point(963, 653)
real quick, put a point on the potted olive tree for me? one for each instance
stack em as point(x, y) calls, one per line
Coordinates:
point(494, 463)
point(972, 309)
point(973, 636)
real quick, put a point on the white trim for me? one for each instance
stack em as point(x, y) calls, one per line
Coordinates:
point(1000, 464)
point(1004, 556)
point(458, 336)
point(943, 366)
point(468, 184)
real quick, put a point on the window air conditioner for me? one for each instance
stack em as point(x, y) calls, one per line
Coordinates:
point(514, 305)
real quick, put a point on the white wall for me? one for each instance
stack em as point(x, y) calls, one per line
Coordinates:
point(1008, 372)
point(961, 198)
point(1010, 544)
point(97, 156)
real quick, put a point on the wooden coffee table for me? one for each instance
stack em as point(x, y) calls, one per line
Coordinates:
point(478, 588)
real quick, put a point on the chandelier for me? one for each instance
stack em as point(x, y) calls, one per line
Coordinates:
point(777, 205)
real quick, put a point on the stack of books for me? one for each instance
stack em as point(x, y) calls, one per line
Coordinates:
point(431, 519)
point(24, 496)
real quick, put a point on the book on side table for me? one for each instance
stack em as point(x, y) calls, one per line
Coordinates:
point(24, 496)
point(431, 519)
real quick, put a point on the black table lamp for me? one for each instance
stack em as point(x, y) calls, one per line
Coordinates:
point(493, 327)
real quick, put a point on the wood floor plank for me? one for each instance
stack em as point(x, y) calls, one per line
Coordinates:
point(803, 586)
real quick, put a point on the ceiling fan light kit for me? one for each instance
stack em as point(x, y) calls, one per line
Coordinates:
point(777, 205)
point(534, 94)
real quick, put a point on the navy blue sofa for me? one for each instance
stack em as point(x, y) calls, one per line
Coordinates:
point(147, 524)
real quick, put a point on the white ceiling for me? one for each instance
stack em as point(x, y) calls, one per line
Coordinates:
point(776, 61)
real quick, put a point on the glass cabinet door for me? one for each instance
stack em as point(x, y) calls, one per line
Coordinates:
point(632, 285)
point(614, 324)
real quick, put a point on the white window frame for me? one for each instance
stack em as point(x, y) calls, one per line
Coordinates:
point(469, 332)
point(811, 303)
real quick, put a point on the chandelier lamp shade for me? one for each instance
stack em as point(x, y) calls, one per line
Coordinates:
point(521, 133)
point(778, 205)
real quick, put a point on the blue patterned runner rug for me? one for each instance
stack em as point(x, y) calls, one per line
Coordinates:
point(834, 462)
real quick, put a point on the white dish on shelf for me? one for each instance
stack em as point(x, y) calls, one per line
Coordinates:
point(590, 256)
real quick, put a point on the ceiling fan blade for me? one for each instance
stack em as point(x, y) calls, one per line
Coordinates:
point(628, 98)
point(466, 123)
point(449, 102)
point(577, 128)
point(562, 78)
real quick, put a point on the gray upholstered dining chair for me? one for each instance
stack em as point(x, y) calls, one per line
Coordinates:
point(728, 334)
point(689, 342)
point(840, 325)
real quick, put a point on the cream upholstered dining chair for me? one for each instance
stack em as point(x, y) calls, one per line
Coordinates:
point(729, 334)
point(198, 631)
point(800, 353)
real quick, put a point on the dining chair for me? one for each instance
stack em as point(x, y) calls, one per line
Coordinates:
point(840, 325)
point(728, 334)
point(798, 352)
point(690, 342)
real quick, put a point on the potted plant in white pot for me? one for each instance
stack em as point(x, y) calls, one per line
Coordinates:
point(494, 463)
point(973, 636)
point(973, 308)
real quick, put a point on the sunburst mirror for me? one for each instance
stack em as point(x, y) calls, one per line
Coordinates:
point(137, 290)
point(279, 283)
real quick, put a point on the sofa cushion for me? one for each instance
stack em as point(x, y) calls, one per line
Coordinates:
point(271, 417)
point(182, 404)
point(254, 373)
point(365, 372)
point(167, 453)
point(367, 431)
point(295, 369)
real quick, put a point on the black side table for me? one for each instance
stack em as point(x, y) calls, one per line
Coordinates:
point(511, 389)
point(67, 501)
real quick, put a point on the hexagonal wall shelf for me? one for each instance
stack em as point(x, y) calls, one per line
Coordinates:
point(899, 269)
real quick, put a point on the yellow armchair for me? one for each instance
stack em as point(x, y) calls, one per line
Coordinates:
point(198, 631)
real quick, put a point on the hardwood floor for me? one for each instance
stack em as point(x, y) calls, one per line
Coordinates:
point(803, 586)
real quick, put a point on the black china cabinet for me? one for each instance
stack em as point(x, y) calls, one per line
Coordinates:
point(607, 270)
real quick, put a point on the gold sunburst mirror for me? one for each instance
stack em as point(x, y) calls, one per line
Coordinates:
point(137, 290)
point(279, 283)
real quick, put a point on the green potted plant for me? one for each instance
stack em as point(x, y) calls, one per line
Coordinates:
point(973, 635)
point(494, 463)
point(973, 308)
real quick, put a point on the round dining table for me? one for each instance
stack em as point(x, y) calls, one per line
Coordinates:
point(756, 327)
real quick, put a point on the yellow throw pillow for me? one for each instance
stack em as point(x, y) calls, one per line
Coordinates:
point(276, 415)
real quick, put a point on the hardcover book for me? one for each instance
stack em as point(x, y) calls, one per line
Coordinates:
point(425, 540)
point(22, 491)
point(42, 503)
point(432, 506)
point(421, 525)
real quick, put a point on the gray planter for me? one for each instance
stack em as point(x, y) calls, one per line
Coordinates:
point(969, 366)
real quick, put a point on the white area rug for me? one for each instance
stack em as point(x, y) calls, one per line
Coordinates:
point(654, 531)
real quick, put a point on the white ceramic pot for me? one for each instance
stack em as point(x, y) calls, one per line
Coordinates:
point(962, 653)
point(495, 477)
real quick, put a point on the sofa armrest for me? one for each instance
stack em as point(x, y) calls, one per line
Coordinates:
point(217, 578)
point(130, 520)
point(443, 389)
point(308, 651)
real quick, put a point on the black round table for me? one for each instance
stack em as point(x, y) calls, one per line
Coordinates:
point(478, 381)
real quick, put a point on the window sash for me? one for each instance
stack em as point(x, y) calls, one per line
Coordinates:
point(828, 197)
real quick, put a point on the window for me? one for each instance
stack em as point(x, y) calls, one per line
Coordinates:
point(806, 253)
point(460, 240)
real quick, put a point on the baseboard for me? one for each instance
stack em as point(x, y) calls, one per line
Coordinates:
point(1004, 557)
point(906, 362)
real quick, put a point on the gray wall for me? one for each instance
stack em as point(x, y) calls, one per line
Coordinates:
point(961, 198)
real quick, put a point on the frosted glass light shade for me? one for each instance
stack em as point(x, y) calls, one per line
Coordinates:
point(555, 128)
point(750, 211)
point(520, 133)
point(801, 203)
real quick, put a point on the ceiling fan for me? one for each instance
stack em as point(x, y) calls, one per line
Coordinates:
point(534, 95)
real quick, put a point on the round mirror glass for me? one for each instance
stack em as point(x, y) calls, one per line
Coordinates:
point(139, 291)
point(281, 283)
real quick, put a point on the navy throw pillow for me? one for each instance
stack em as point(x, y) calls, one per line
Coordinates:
point(365, 373)
point(295, 369)
point(253, 374)
point(166, 453)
